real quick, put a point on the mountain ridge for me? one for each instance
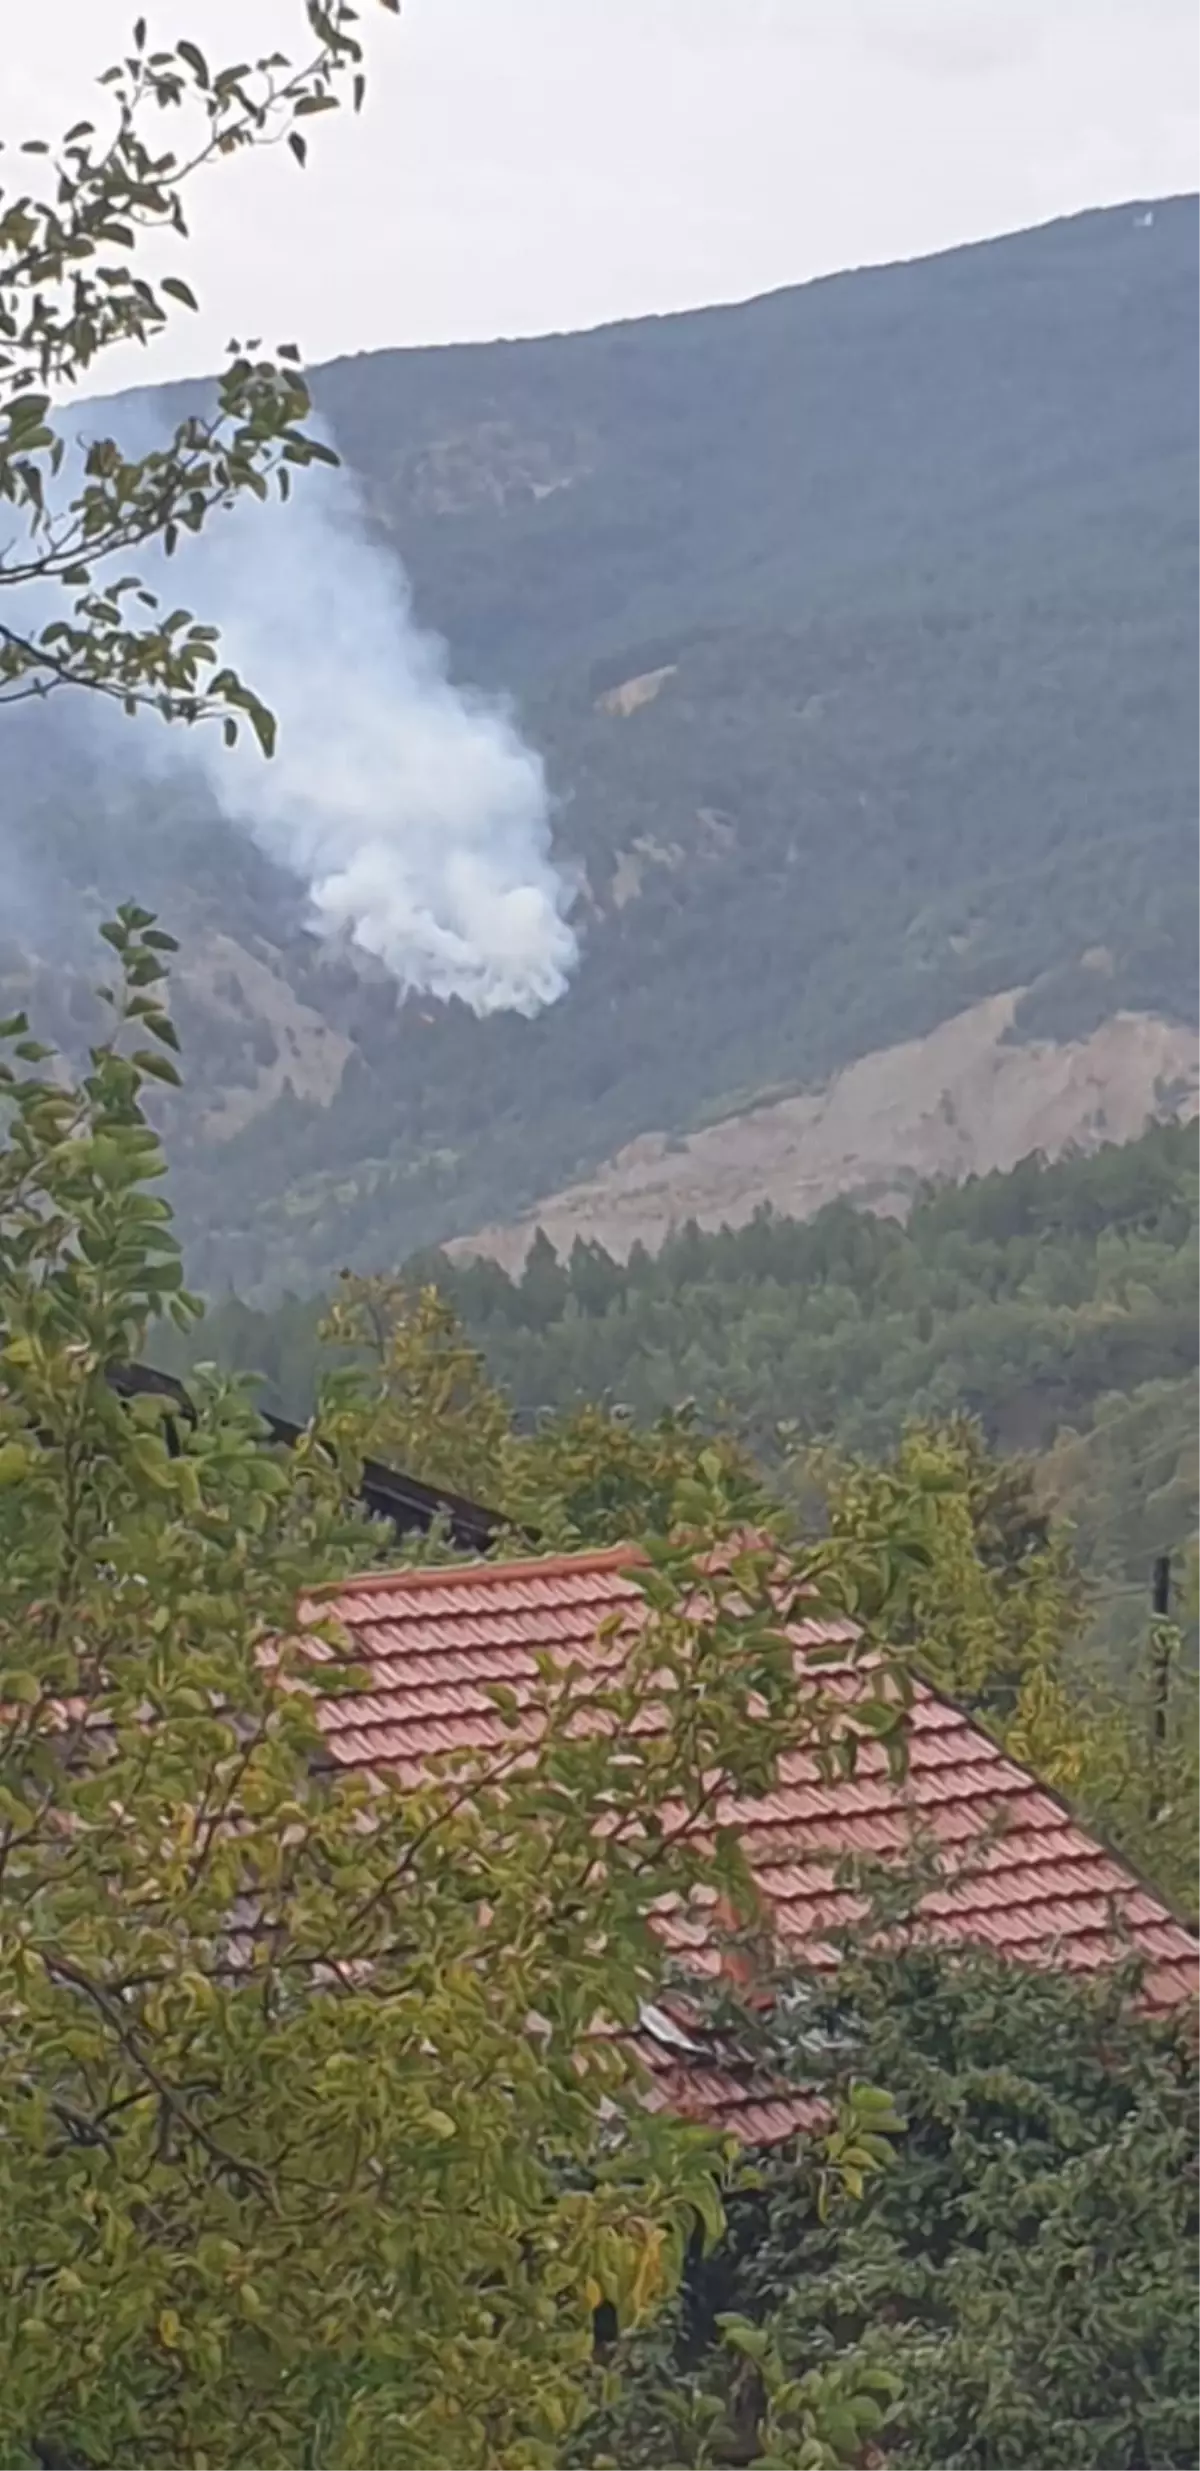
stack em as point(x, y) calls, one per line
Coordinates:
point(913, 550)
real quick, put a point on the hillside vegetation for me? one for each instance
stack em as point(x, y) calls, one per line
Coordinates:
point(857, 626)
point(1056, 1303)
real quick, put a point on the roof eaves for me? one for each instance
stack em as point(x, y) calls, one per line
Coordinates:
point(385, 1491)
point(613, 1557)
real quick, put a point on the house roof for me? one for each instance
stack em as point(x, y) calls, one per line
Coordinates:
point(410, 1506)
point(437, 1640)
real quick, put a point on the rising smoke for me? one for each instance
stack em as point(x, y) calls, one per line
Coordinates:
point(412, 810)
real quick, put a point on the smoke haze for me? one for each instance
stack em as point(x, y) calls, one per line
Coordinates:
point(411, 809)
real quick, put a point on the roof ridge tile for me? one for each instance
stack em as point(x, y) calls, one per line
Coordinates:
point(449, 1575)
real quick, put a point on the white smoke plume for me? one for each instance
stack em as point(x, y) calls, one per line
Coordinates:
point(412, 809)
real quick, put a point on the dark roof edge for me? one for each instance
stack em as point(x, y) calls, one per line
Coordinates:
point(385, 1491)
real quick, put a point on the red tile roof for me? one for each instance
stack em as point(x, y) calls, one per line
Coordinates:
point(436, 1640)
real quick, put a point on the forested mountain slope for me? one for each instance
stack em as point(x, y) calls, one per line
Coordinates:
point(1056, 1303)
point(857, 626)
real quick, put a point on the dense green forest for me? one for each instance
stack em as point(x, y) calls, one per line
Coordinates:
point(915, 552)
point(1057, 1304)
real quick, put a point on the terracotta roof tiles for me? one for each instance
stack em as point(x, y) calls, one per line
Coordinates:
point(435, 1641)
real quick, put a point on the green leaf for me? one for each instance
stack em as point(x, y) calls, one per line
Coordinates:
point(19, 1688)
point(739, 2335)
point(195, 60)
point(156, 1067)
point(871, 2098)
point(263, 724)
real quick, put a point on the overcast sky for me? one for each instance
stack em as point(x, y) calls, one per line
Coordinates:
point(529, 165)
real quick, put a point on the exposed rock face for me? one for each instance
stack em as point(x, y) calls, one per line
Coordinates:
point(956, 1103)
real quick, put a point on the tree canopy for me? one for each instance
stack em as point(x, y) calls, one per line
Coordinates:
point(308, 2146)
point(72, 285)
point(1018, 2287)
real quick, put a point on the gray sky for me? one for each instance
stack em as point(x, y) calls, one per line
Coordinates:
point(528, 165)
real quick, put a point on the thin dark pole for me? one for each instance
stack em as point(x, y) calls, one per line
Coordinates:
point(1162, 1649)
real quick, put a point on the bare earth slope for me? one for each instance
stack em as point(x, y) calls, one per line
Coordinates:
point(958, 1102)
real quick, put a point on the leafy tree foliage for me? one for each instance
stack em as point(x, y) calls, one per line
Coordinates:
point(422, 1395)
point(432, 1405)
point(1019, 2287)
point(72, 285)
point(593, 1477)
point(998, 1598)
point(308, 2148)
